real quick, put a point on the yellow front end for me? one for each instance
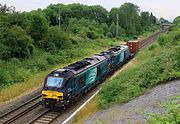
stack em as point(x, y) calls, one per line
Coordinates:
point(52, 95)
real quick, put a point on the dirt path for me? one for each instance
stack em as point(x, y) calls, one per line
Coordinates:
point(135, 111)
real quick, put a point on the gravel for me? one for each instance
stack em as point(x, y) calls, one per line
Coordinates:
point(136, 110)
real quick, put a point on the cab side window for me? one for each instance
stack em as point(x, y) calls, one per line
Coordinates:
point(98, 71)
point(125, 53)
point(82, 81)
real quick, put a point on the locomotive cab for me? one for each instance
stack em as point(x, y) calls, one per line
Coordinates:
point(54, 89)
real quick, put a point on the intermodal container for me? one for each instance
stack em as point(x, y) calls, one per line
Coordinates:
point(133, 46)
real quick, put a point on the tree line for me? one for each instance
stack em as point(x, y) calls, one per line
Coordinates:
point(23, 33)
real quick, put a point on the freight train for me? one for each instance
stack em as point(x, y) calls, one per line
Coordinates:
point(66, 85)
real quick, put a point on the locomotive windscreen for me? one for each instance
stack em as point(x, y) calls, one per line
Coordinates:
point(54, 82)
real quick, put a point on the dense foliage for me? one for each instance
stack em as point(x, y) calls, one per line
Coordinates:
point(159, 63)
point(132, 22)
point(39, 26)
point(31, 41)
point(55, 40)
point(15, 43)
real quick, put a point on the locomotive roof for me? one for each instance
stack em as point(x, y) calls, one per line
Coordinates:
point(115, 49)
point(78, 66)
point(133, 41)
point(86, 63)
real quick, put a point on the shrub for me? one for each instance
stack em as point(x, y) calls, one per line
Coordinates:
point(12, 74)
point(2, 76)
point(171, 38)
point(135, 37)
point(54, 40)
point(170, 116)
point(16, 43)
point(152, 47)
point(91, 35)
point(38, 26)
point(109, 34)
point(161, 40)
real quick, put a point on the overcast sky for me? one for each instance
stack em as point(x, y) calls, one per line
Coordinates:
point(168, 9)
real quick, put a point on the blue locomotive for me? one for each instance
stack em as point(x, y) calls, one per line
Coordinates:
point(65, 86)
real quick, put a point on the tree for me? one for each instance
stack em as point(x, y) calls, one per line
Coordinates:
point(176, 23)
point(112, 15)
point(54, 40)
point(100, 14)
point(162, 20)
point(129, 18)
point(105, 28)
point(38, 26)
point(77, 11)
point(20, 19)
point(145, 20)
point(15, 43)
point(153, 19)
point(112, 29)
point(5, 9)
point(176, 20)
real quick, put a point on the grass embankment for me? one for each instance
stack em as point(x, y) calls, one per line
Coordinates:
point(171, 114)
point(30, 73)
point(85, 112)
point(157, 64)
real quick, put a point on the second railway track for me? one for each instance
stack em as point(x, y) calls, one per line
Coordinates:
point(147, 41)
point(21, 110)
point(46, 118)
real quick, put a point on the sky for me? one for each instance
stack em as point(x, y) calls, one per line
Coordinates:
point(169, 9)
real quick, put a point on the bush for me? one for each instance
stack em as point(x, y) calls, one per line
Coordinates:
point(171, 38)
point(152, 47)
point(170, 116)
point(135, 37)
point(16, 43)
point(109, 34)
point(38, 26)
point(91, 35)
point(2, 76)
point(13, 74)
point(55, 39)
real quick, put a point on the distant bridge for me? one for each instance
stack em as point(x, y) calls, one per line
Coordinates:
point(165, 26)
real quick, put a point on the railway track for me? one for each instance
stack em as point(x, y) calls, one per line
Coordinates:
point(46, 118)
point(147, 41)
point(21, 110)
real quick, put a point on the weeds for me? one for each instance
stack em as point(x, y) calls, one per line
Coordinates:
point(171, 114)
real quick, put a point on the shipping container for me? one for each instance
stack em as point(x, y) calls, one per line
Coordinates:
point(133, 46)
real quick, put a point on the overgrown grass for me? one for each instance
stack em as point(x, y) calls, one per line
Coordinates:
point(85, 112)
point(157, 64)
point(17, 77)
point(171, 114)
